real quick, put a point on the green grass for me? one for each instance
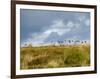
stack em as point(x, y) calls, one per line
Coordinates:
point(54, 56)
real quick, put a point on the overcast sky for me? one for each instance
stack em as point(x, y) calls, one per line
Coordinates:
point(42, 26)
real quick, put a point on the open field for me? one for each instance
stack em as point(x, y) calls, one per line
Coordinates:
point(54, 56)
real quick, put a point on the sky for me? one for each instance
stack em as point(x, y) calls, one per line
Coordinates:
point(44, 26)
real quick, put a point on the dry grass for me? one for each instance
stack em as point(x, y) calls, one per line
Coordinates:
point(55, 57)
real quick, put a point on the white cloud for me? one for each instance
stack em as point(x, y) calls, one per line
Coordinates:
point(58, 26)
point(70, 24)
point(87, 22)
point(77, 25)
point(59, 31)
point(39, 37)
point(36, 39)
point(84, 19)
point(81, 17)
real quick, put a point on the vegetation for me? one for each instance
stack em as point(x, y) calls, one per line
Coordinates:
point(55, 56)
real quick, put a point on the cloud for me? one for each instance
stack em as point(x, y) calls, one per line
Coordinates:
point(57, 26)
point(70, 24)
point(60, 27)
point(35, 39)
point(81, 18)
point(87, 22)
point(37, 25)
point(84, 18)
